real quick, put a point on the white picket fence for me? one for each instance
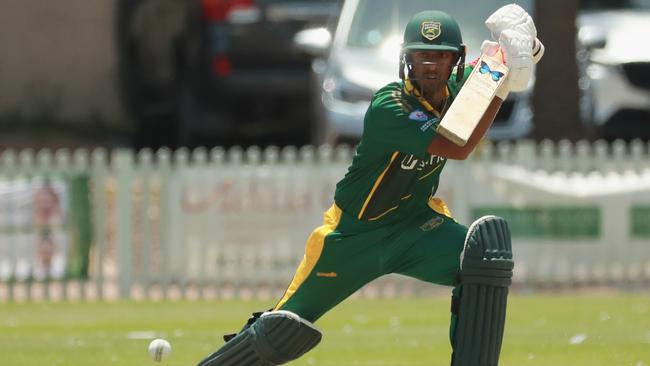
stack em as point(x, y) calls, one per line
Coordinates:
point(233, 223)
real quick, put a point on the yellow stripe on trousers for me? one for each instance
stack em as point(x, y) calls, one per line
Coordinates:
point(313, 251)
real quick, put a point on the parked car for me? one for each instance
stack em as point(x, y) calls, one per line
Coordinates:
point(201, 72)
point(363, 53)
point(615, 59)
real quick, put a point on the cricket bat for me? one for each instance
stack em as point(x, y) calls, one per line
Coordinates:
point(472, 101)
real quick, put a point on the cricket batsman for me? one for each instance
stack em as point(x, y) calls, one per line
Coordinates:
point(385, 217)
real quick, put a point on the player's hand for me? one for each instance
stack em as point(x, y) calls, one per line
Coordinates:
point(517, 51)
point(489, 48)
point(512, 17)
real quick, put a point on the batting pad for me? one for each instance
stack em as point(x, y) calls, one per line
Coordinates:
point(486, 273)
point(274, 339)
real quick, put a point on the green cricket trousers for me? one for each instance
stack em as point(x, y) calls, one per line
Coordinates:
point(344, 254)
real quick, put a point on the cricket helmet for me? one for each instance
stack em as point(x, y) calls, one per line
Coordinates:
point(432, 30)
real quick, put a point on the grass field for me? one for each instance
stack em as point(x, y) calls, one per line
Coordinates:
point(589, 330)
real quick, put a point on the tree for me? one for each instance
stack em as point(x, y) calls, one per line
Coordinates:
point(556, 97)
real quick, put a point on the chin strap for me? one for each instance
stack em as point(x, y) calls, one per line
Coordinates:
point(460, 70)
point(410, 89)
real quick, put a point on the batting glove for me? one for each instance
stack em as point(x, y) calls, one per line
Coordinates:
point(512, 17)
point(517, 50)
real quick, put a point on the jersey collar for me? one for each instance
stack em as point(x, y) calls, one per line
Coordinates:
point(410, 89)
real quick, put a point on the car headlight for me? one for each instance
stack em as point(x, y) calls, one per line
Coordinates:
point(346, 91)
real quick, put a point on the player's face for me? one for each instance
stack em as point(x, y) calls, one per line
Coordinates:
point(431, 69)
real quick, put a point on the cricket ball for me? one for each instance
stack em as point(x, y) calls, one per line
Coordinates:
point(159, 349)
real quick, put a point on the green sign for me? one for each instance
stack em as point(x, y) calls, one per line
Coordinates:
point(640, 221)
point(548, 222)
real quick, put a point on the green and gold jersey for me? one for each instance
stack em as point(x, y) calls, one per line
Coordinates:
point(392, 174)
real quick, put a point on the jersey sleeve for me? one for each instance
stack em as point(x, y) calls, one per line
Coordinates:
point(391, 126)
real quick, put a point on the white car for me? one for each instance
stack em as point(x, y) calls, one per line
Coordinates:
point(616, 67)
point(363, 57)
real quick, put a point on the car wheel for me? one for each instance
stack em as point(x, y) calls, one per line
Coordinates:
point(627, 125)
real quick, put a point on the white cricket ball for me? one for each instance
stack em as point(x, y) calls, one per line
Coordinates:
point(159, 349)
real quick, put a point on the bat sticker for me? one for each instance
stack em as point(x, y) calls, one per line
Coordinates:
point(485, 68)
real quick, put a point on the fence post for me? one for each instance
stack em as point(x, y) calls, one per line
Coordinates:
point(183, 240)
point(203, 185)
point(565, 157)
point(461, 207)
point(27, 169)
point(547, 156)
point(637, 155)
point(8, 162)
point(99, 167)
point(163, 158)
point(123, 161)
point(80, 212)
point(525, 155)
point(601, 156)
point(218, 169)
point(619, 156)
point(583, 157)
point(145, 168)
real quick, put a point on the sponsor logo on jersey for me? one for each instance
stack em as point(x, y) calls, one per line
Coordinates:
point(428, 125)
point(430, 30)
point(432, 224)
point(418, 115)
point(410, 162)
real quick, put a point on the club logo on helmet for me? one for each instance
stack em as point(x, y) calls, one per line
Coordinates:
point(430, 30)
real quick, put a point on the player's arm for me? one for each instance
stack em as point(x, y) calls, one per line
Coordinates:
point(507, 25)
point(518, 80)
point(444, 147)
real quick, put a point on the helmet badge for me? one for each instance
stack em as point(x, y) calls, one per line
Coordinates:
point(430, 30)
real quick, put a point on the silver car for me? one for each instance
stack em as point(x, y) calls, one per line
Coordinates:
point(363, 57)
point(616, 67)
